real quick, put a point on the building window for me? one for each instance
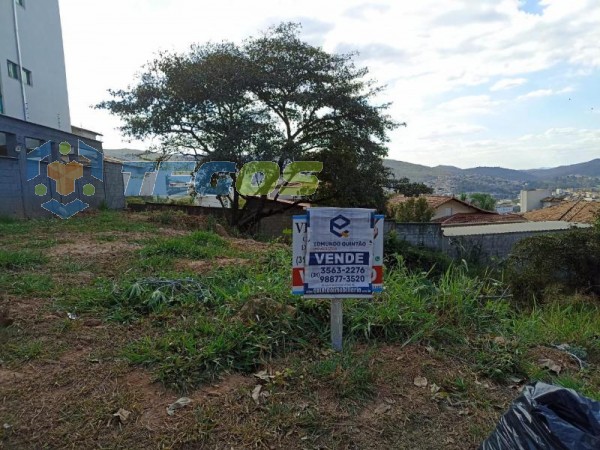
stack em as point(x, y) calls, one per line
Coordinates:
point(27, 77)
point(13, 70)
point(32, 143)
point(3, 145)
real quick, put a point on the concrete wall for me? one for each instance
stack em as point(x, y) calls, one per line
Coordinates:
point(477, 247)
point(420, 234)
point(531, 200)
point(17, 196)
point(42, 53)
point(486, 247)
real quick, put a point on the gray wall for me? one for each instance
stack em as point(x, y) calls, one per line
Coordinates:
point(42, 53)
point(17, 197)
point(480, 247)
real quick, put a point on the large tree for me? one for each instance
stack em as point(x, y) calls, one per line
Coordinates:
point(272, 98)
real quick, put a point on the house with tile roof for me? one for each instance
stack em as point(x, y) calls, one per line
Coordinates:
point(453, 211)
point(578, 211)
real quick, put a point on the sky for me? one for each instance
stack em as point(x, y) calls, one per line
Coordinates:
point(511, 83)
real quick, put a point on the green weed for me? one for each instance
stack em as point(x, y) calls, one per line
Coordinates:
point(21, 351)
point(197, 245)
point(21, 259)
point(349, 374)
point(26, 284)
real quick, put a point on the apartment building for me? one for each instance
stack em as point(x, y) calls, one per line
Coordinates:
point(33, 82)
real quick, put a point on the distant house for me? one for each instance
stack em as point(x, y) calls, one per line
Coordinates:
point(579, 211)
point(443, 206)
point(453, 211)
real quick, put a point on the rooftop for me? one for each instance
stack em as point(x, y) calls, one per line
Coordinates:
point(581, 211)
point(435, 201)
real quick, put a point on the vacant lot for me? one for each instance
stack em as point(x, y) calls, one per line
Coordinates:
point(106, 319)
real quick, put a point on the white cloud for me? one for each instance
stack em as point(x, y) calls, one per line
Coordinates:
point(469, 105)
point(508, 83)
point(549, 148)
point(545, 93)
point(424, 51)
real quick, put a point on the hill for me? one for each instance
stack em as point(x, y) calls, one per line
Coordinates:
point(500, 172)
point(587, 169)
point(498, 181)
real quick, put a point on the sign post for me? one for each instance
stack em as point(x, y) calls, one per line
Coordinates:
point(337, 324)
point(337, 254)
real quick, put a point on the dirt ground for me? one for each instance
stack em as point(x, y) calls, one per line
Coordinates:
point(79, 392)
point(71, 395)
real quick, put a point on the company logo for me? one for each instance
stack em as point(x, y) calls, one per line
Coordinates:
point(62, 177)
point(337, 225)
point(176, 178)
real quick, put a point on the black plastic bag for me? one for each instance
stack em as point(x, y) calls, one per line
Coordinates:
point(547, 417)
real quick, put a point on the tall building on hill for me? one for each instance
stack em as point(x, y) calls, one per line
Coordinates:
point(33, 81)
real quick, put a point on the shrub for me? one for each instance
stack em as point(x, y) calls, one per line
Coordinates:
point(570, 261)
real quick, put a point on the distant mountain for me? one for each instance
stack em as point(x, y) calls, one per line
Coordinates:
point(586, 169)
point(500, 172)
point(498, 181)
point(415, 172)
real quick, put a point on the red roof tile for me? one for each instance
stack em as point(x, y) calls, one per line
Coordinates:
point(435, 201)
point(576, 211)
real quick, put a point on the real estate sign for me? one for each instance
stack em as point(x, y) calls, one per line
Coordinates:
point(337, 253)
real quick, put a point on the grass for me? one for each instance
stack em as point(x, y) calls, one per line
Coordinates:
point(350, 375)
point(23, 352)
point(197, 245)
point(456, 311)
point(14, 260)
point(32, 284)
point(188, 329)
point(92, 222)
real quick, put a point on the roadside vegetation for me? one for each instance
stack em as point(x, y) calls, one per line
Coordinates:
point(112, 311)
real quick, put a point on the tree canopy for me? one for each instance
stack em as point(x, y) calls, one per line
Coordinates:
point(415, 209)
point(483, 201)
point(407, 188)
point(271, 98)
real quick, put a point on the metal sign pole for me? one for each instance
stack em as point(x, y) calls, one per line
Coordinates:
point(337, 324)
point(337, 253)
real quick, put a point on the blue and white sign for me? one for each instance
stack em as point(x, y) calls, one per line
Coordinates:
point(339, 253)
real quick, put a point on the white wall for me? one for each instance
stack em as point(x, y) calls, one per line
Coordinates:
point(42, 53)
point(531, 200)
